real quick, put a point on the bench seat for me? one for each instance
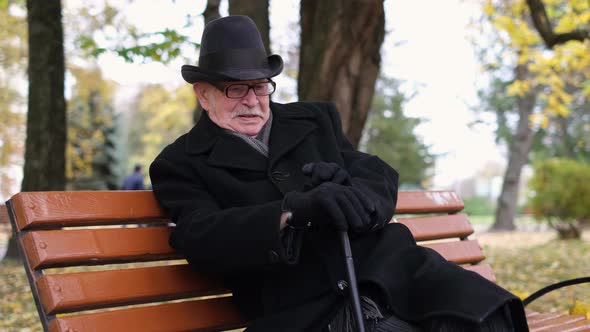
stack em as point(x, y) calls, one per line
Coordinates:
point(88, 273)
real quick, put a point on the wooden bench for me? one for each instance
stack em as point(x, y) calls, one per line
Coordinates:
point(57, 231)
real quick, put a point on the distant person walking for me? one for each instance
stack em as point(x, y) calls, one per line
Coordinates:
point(134, 181)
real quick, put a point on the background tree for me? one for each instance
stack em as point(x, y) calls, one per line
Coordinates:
point(543, 24)
point(159, 117)
point(340, 56)
point(257, 10)
point(211, 10)
point(541, 82)
point(91, 161)
point(13, 51)
point(391, 135)
point(13, 55)
point(44, 167)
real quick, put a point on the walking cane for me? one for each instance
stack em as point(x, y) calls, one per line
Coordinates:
point(352, 280)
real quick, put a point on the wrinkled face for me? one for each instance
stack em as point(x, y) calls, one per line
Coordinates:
point(246, 115)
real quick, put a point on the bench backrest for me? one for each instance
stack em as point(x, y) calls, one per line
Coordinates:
point(60, 231)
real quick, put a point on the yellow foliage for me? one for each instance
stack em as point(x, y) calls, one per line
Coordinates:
point(580, 308)
point(541, 120)
point(518, 88)
point(559, 72)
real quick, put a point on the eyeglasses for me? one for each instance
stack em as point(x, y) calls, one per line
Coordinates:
point(240, 90)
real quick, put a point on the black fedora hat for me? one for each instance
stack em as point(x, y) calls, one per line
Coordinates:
point(232, 50)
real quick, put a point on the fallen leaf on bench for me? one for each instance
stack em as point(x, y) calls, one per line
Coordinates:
point(580, 308)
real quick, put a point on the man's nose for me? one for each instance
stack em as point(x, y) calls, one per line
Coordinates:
point(250, 99)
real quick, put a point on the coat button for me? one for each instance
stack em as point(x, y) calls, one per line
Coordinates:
point(273, 257)
point(279, 176)
point(342, 285)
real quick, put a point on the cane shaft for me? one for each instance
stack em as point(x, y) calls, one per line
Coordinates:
point(352, 280)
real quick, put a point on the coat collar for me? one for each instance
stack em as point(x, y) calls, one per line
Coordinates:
point(290, 126)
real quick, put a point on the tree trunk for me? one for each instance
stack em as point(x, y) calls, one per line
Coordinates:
point(211, 11)
point(257, 10)
point(520, 146)
point(12, 250)
point(340, 58)
point(46, 118)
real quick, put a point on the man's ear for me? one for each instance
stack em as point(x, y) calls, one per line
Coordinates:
point(200, 91)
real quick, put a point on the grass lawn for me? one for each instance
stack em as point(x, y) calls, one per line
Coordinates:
point(523, 262)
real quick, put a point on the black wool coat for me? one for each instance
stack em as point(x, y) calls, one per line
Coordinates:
point(225, 198)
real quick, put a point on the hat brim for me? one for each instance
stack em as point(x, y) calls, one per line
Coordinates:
point(193, 74)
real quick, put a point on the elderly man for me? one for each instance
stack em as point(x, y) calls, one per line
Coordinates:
point(259, 190)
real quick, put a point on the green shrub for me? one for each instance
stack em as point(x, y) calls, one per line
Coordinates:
point(560, 194)
point(478, 206)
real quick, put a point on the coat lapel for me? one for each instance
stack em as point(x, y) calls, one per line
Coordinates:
point(233, 152)
point(290, 126)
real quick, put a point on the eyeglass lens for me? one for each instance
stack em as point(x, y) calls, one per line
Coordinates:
point(240, 90)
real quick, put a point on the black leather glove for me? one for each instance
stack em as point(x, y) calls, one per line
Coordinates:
point(321, 172)
point(329, 204)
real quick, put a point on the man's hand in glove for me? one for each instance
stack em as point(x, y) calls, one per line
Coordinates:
point(321, 172)
point(329, 204)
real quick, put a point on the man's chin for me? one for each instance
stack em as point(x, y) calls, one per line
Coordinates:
point(250, 130)
point(249, 126)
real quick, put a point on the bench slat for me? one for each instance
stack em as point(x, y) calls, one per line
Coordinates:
point(428, 202)
point(556, 322)
point(46, 209)
point(53, 248)
point(69, 292)
point(579, 326)
point(542, 317)
point(215, 314)
point(484, 270)
point(460, 252)
point(86, 208)
point(438, 227)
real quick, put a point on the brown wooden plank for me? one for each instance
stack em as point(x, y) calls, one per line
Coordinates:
point(55, 209)
point(460, 252)
point(52, 248)
point(3, 215)
point(579, 326)
point(71, 292)
point(58, 208)
point(556, 322)
point(484, 270)
point(428, 202)
point(542, 317)
point(215, 314)
point(438, 227)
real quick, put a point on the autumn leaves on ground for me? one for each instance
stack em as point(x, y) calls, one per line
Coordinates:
point(522, 262)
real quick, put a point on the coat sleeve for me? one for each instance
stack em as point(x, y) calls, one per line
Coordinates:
point(212, 239)
point(375, 177)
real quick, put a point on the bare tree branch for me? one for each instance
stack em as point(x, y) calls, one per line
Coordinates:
point(543, 26)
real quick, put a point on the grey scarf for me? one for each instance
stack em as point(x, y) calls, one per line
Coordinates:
point(260, 142)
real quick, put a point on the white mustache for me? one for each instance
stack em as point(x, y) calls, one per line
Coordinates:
point(256, 111)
